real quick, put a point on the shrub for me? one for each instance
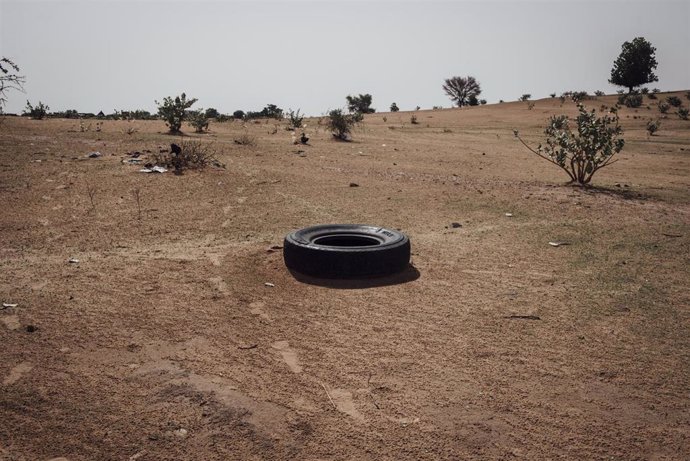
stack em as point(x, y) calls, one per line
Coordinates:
point(437, 107)
point(674, 101)
point(599, 93)
point(212, 113)
point(482, 101)
point(584, 152)
point(644, 90)
point(653, 127)
point(360, 104)
point(340, 124)
point(472, 101)
point(552, 95)
point(656, 90)
point(37, 112)
point(651, 95)
point(663, 107)
point(630, 99)
point(683, 113)
point(294, 119)
point(394, 107)
point(199, 120)
point(245, 139)
point(578, 96)
point(238, 114)
point(174, 111)
point(413, 119)
point(460, 89)
point(193, 155)
point(525, 97)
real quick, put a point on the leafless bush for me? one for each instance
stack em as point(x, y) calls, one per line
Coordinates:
point(193, 155)
point(245, 139)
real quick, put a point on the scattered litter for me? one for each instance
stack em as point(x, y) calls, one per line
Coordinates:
point(155, 169)
point(558, 244)
point(455, 225)
point(523, 317)
point(509, 215)
point(269, 284)
point(354, 184)
point(73, 261)
point(6, 305)
point(248, 346)
point(94, 154)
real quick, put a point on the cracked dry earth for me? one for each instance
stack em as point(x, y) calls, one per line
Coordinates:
point(163, 342)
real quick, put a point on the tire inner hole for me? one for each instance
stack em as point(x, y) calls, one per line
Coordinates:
point(345, 240)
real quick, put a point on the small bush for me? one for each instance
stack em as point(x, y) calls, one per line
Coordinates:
point(295, 119)
point(238, 115)
point(193, 155)
point(245, 139)
point(482, 101)
point(552, 95)
point(674, 101)
point(599, 93)
point(340, 124)
point(656, 90)
point(653, 127)
point(683, 113)
point(437, 107)
point(174, 111)
point(38, 112)
point(413, 119)
point(394, 107)
point(578, 96)
point(525, 97)
point(199, 120)
point(630, 100)
point(663, 107)
point(472, 100)
point(644, 90)
point(583, 152)
point(651, 95)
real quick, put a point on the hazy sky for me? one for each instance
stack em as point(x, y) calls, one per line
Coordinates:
point(106, 55)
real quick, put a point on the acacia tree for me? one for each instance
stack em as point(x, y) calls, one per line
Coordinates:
point(584, 152)
point(462, 90)
point(635, 65)
point(174, 111)
point(9, 79)
point(360, 104)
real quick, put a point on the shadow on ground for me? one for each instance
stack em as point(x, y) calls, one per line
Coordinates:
point(410, 274)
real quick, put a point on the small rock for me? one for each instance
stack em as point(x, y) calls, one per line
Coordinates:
point(31, 328)
point(455, 225)
point(181, 432)
point(94, 154)
point(354, 184)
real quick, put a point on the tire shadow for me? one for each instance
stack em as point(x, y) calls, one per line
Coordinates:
point(410, 274)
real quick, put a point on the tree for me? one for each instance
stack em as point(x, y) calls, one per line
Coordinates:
point(37, 112)
point(584, 152)
point(9, 80)
point(394, 107)
point(238, 114)
point(212, 113)
point(460, 89)
point(174, 111)
point(360, 104)
point(341, 124)
point(635, 65)
point(199, 120)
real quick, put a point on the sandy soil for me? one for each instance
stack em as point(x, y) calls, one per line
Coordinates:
point(164, 343)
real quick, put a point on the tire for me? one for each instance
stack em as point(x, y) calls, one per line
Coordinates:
point(346, 251)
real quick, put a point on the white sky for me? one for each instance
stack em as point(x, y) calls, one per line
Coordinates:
point(106, 55)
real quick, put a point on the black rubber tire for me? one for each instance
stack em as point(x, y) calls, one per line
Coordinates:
point(346, 251)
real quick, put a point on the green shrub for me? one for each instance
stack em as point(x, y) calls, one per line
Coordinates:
point(683, 113)
point(525, 97)
point(583, 152)
point(394, 107)
point(630, 99)
point(644, 90)
point(361, 104)
point(482, 101)
point(578, 96)
point(599, 93)
point(174, 111)
point(552, 95)
point(295, 119)
point(212, 113)
point(663, 107)
point(198, 119)
point(472, 100)
point(38, 112)
point(674, 101)
point(238, 114)
point(340, 124)
point(653, 127)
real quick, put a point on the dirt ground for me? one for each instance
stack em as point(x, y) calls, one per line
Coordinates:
point(165, 343)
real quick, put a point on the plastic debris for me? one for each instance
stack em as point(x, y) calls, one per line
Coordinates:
point(6, 305)
point(155, 169)
point(509, 215)
point(558, 244)
point(269, 284)
point(73, 261)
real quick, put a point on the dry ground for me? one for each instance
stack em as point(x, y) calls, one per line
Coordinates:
point(164, 343)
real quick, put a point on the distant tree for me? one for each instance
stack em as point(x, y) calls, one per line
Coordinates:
point(360, 104)
point(174, 111)
point(472, 101)
point(459, 89)
point(37, 112)
point(272, 111)
point(212, 113)
point(238, 114)
point(394, 107)
point(199, 120)
point(9, 80)
point(635, 65)
point(525, 97)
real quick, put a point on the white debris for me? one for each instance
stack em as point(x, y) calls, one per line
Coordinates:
point(73, 261)
point(509, 215)
point(6, 305)
point(155, 169)
point(558, 244)
point(269, 284)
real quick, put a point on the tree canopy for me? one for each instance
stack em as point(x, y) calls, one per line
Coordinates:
point(462, 90)
point(635, 65)
point(360, 104)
